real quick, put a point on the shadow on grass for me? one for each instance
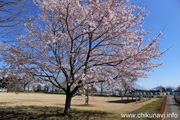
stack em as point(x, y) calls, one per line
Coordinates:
point(3, 103)
point(122, 101)
point(84, 105)
point(79, 105)
point(47, 113)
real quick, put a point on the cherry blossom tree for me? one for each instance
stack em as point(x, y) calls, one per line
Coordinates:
point(75, 43)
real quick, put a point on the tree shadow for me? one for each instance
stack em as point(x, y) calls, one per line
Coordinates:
point(177, 103)
point(29, 112)
point(122, 101)
point(45, 113)
point(83, 105)
point(3, 103)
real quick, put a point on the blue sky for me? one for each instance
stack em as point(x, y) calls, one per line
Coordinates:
point(164, 14)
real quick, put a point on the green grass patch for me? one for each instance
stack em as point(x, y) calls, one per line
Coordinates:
point(152, 108)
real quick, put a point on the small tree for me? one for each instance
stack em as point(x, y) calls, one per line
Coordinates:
point(52, 88)
point(46, 88)
point(3, 83)
point(39, 88)
point(33, 88)
point(169, 89)
point(25, 81)
point(178, 89)
point(9, 80)
point(160, 88)
point(87, 91)
point(77, 43)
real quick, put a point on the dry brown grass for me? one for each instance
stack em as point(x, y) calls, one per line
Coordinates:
point(107, 104)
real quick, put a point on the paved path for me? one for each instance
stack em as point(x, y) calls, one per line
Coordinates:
point(172, 109)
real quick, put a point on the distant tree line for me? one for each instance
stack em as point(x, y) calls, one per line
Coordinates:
point(25, 85)
point(159, 88)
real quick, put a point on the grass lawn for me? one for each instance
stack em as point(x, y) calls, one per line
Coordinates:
point(50, 106)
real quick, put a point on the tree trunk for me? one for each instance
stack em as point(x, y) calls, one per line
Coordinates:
point(68, 104)
point(87, 98)
point(24, 88)
point(101, 88)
